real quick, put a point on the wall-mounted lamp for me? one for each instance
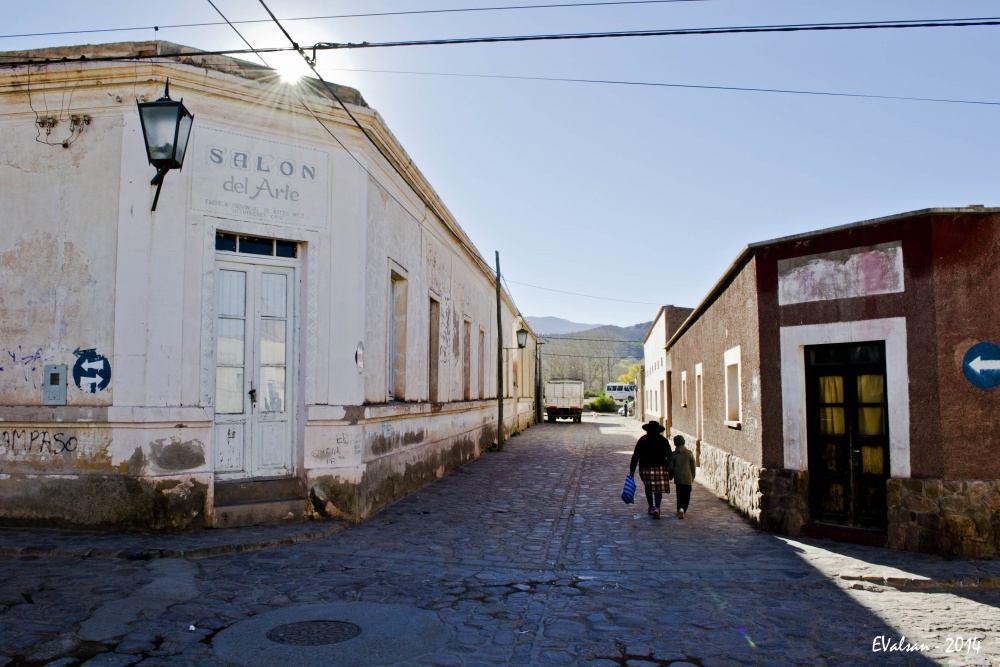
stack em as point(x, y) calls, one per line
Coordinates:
point(522, 337)
point(166, 127)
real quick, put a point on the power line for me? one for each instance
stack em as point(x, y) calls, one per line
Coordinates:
point(333, 46)
point(588, 296)
point(350, 16)
point(804, 27)
point(673, 85)
point(473, 253)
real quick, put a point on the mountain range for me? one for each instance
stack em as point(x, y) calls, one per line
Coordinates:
point(556, 326)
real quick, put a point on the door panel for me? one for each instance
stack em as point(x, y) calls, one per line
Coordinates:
point(229, 448)
point(848, 439)
point(254, 325)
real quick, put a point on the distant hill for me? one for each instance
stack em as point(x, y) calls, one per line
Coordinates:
point(634, 332)
point(557, 325)
point(596, 355)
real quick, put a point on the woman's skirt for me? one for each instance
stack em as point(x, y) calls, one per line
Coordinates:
point(655, 479)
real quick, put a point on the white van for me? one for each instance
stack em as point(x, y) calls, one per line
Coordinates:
point(620, 392)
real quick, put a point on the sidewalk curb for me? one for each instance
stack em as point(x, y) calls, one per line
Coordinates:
point(924, 583)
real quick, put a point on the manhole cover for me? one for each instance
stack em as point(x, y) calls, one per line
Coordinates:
point(314, 633)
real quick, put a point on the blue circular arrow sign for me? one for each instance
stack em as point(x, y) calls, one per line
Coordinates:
point(981, 365)
point(91, 372)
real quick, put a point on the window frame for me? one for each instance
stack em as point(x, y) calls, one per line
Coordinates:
point(732, 384)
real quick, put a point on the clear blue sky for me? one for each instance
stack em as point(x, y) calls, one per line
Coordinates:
point(637, 193)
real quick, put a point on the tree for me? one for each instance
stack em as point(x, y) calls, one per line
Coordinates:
point(629, 377)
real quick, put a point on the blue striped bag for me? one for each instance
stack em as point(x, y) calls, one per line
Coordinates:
point(628, 493)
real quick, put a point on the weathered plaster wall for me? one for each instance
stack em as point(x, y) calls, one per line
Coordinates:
point(87, 265)
point(358, 468)
point(58, 248)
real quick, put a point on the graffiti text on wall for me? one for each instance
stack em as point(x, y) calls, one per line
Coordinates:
point(344, 445)
point(26, 441)
point(22, 362)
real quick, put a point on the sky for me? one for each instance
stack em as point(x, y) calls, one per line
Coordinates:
point(633, 195)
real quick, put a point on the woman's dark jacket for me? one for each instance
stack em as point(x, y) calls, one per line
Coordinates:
point(651, 451)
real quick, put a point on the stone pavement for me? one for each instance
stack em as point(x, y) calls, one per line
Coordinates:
point(526, 557)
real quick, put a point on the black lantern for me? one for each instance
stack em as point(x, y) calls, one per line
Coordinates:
point(522, 337)
point(166, 127)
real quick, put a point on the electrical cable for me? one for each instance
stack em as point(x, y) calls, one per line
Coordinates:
point(803, 27)
point(334, 46)
point(219, 11)
point(673, 85)
point(349, 16)
point(473, 253)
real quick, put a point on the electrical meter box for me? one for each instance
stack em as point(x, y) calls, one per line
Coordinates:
point(55, 385)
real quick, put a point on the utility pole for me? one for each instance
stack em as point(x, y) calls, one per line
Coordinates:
point(499, 364)
point(538, 381)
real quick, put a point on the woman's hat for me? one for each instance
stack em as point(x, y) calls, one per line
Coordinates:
point(653, 427)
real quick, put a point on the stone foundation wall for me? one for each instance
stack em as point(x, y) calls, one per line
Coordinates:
point(744, 486)
point(776, 500)
point(784, 502)
point(713, 469)
point(950, 518)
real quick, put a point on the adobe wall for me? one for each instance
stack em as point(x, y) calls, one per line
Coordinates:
point(858, 244)
point(730, 321)
point(967, 308)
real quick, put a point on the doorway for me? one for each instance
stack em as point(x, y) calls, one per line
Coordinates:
point(848, 434)
point(255, 370)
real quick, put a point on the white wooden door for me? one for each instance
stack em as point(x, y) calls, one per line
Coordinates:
point(254, 370)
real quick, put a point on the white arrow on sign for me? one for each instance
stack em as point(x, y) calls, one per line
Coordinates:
point(979, 364)
point(89, 380)
point(93, 365)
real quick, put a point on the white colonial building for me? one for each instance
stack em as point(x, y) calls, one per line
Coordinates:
point(300, 328)
point(656, 398)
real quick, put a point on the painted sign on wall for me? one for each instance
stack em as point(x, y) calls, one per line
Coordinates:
point(981, 365)
point(240, 176)
point(842, 274)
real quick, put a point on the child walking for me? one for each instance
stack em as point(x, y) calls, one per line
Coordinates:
point(652, 455)
point(682, 470)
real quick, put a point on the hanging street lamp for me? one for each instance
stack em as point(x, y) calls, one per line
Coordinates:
point(166, 127)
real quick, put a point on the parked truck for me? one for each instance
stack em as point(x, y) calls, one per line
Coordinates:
point(564, 400)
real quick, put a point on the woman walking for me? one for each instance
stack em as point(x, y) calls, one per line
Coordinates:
point(682, 471)
point(652, 454)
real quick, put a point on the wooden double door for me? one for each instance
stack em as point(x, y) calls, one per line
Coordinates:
point(848, 434)
point(255, 327)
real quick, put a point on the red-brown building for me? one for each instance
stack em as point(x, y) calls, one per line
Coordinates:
point(844, 382)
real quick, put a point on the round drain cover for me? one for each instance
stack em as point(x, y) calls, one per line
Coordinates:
point(314, 633)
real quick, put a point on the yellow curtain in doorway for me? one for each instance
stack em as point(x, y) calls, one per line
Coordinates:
point(871, 420)
point(831, 419)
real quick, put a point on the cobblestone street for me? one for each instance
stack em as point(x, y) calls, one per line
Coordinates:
point(526, 557)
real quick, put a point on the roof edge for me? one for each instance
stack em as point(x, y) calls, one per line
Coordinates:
point(751, 248)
